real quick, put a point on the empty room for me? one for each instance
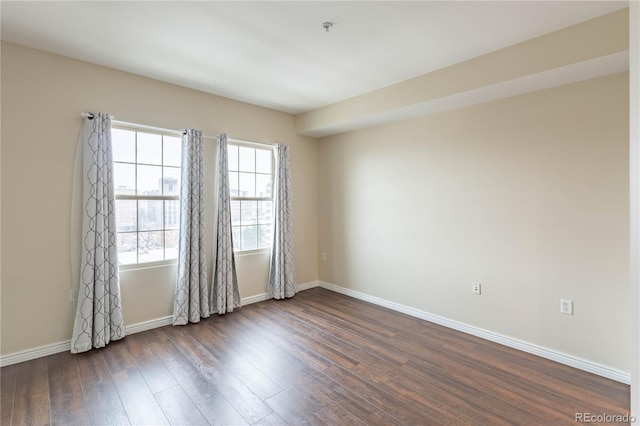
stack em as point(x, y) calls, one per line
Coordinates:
point(320, 212)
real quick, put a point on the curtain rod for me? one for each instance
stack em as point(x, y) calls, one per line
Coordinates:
point(90, 115)
point(250, 142)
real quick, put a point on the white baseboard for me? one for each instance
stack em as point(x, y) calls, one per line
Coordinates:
point(149, 325)
point(56, 348)
point(254, 299)
point(261, 297)
point(562, 358)
point(65, 346)
point(34, 353)
point(307, 286)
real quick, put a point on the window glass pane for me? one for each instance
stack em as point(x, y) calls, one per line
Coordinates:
point(249, 211)
point(233, 184)
point(235, 213)
point(150, 215)
point(247, 159)
point(249, 237)
point(232, 157)
point(149, 179)
point(149, 148)
point(264, 212)
point(265, 234)
point(247, 185)
point(150, 246)
point(237, 241)
point(126, 215)
point(127, 248)
point(171, 181)
point(263, 161)
point(263, 186)
point(147, 164)
point(171, 214)
point(171, 244)
point(123, 144)
point(172, 151)
point(250, 176)
point(124, 178)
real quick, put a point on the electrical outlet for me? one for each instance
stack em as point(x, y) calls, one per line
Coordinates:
point(476, 288)
point(73, 294)
point(324, 257)
point(566, 306)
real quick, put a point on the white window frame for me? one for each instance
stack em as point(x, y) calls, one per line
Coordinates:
point(264, 147)
point(135, 197)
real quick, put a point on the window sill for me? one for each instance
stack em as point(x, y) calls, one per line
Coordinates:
point(251, 252)
point(147, 265)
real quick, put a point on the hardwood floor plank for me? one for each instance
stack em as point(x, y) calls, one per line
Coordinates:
point(335, 415)
point(334, 310)
point(392, 404)
point(271, 420)
point(343, 344)
point(137, 399)
point(319, 358)
point(270, 318)
point(250, 407)
point(249, 375)
point(354, 354)
point(274, 351)
point(297, 376)
point(31, 400)
point(155, 373)
point(491, 359)
point(455, 390)
point(100, 395)
point(8, 376)
point(348, 400)
point(178, 407)
point(118, 357)
point(293, 408)
point(359, 337)
point(212, 405)
point(511, 365)
point(65, 391)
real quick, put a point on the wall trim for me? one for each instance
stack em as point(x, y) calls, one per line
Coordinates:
point(149, 325)
point(39, 352)
point(562, 358)
point(262, 297)
point(254, 299)
point(55, 348)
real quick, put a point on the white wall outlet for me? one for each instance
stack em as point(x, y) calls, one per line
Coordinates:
point(566, 306)
point(476, 288)
point(324, 257)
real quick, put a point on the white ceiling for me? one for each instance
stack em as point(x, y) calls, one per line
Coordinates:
point(276, 54)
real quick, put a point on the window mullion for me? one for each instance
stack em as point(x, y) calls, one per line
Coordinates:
point(146, 205)
point(252, 204)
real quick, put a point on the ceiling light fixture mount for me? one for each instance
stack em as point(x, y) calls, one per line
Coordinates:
point(327, 26)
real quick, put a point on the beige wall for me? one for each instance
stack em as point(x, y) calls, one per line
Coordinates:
point(528, 195)
point(42, 97)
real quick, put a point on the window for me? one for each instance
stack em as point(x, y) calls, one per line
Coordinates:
point(147, 186)
point(251, 187)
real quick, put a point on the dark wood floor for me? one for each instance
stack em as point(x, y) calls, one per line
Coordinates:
point(319, 358)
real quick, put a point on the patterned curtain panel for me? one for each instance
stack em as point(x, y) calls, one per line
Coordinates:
point(225, 295)
point(192, 291)
point(99, 311)
point(282, 273)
